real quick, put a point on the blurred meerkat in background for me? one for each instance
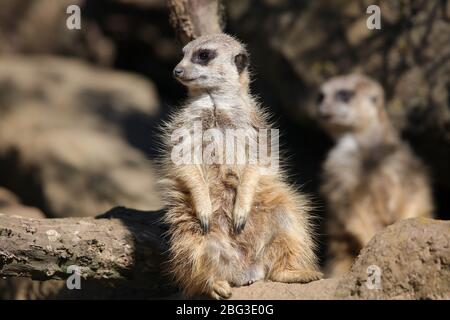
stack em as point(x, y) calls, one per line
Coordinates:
point(230, 224)
point(371, 178)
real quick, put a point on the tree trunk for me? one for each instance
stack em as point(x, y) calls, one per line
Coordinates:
point(120, 244)
point(193, 18)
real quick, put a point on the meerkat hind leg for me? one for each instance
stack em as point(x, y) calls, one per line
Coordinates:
point(296, 276)
point(288, 252)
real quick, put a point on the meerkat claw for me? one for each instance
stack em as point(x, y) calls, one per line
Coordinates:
point(239, 225)
point(239, 219)
point(205, 226)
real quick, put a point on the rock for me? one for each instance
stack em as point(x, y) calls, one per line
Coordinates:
point(413, 257)
point(10, 205)
point(73, 137)
point(7, 198)
point(317, 290)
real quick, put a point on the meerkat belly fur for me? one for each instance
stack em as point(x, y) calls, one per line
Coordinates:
point(371, 178)
point(229, 224)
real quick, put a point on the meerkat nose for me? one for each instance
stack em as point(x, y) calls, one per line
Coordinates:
point(178, 72)
point(323, 112)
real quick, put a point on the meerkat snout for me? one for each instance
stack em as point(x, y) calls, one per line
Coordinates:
point(208, 63)
point(178, 72)
point(327, 102)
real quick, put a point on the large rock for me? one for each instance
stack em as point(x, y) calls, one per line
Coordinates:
point(412, 257)
point(73, 136)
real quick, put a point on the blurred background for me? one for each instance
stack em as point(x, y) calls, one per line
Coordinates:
point(79, 108)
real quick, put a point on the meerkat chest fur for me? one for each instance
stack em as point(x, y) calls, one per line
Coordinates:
point(221, 111)
point(354, 162)
point(227, 122)
point(342, 168)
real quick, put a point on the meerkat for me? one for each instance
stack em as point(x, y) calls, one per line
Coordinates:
point(229, 224)
point(371, 178)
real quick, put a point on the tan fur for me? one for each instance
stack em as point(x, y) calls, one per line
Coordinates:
point(371, 178)
point(230, 225)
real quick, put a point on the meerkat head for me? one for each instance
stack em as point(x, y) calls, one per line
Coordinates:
point(350, 103)
point(213, 62)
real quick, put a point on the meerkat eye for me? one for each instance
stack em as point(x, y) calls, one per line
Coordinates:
point(320, 97)
point(344, 95)
point(203, 56)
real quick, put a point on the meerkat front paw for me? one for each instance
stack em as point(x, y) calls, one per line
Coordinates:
point(240, 215)
point(204, 213)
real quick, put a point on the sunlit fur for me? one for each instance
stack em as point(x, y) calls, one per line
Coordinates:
point(275, 241)
point(371, 179)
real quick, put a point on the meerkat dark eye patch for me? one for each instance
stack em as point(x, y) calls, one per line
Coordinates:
point(241, 62)
point(203, 56)
point(344, 95)
point(320, 97)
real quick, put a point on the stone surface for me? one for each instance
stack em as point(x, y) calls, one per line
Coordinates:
point(413, 257)
point(72, 136)
point(317, 290)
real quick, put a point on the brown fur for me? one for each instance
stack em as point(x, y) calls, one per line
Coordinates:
point(371, 178)
point(229, 224)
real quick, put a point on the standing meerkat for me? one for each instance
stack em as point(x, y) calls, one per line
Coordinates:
point(371, 178)
point(230, 224)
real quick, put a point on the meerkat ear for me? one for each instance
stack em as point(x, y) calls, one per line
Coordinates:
point(241, 62)
point(377, 100)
